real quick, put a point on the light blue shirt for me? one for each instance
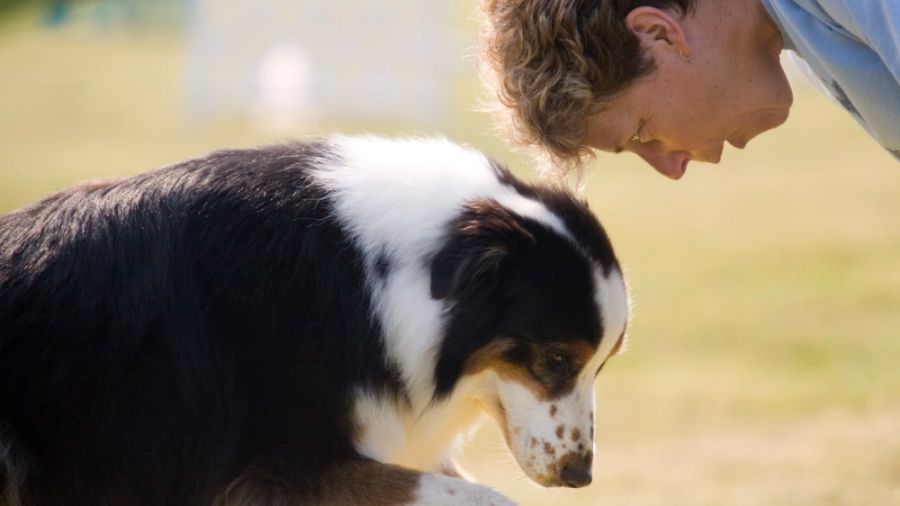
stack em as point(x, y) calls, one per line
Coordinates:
point(853, 46)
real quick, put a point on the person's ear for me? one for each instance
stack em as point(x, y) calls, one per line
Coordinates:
point(658, 30)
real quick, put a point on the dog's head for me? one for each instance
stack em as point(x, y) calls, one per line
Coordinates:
point(534, 310)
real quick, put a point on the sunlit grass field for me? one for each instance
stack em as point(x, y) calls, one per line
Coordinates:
point(763, 365)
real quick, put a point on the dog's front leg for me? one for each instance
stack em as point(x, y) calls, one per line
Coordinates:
point(450, 467)
point(359, 483)
point(443, 490)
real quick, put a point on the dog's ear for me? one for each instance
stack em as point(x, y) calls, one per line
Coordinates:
point(478, 243)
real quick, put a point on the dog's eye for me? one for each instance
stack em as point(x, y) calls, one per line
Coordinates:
point(557, 361)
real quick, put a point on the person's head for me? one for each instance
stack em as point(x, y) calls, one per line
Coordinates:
point(670, 80)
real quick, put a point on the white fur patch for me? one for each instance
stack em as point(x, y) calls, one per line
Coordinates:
point(611, 295)
point(435, 490)
point(542, 432)
point(426, 440)
point(394, 198)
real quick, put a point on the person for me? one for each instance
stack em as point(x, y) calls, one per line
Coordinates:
point(673, 81)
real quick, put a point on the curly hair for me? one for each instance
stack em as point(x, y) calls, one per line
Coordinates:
point(553, 63)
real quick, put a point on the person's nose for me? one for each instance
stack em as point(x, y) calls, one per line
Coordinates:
point(671, 164)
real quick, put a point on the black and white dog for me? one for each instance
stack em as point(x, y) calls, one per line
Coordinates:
point(303, 324)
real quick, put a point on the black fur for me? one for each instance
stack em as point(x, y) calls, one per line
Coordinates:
point(495, 270)
point(576, 215)
point(165, 333)
point(513, 277)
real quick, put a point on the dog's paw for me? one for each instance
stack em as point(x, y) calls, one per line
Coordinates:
point(436, 490)
point(451, 468)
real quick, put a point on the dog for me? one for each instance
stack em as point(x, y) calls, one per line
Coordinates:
point(307, 323)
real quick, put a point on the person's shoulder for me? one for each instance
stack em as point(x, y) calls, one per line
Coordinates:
point(870, 22)
point(866, 19)
point(881, 8)
point(839, 15)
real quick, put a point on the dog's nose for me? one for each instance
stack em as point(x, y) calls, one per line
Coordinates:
point(576, 472)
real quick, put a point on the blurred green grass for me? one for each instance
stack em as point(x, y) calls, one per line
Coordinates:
point(764, 354)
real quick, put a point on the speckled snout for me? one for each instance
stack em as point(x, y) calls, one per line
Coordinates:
point(551, 440)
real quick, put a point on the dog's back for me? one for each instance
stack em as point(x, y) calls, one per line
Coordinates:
point(144, 321)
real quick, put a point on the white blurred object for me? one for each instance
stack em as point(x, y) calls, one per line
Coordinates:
point(284, 86)
point(362, 61)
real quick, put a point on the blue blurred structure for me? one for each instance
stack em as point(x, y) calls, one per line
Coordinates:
point(109, 14)
point(57, 12)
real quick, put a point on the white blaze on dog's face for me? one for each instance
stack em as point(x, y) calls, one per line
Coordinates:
point(535, 308)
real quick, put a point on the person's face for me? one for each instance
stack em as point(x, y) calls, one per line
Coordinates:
point(713, 83)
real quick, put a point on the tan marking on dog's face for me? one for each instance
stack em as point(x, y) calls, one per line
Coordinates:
point(576, 435)
point(491, 356)
point(553, 410)
point(560, 430)
point(539, 375)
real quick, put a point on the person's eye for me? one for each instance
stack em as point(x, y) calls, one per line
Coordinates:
point(637, 135)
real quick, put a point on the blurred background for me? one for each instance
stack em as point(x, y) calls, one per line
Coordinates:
point(764, 354)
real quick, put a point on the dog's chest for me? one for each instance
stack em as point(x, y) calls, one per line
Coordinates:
point(395, 435)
